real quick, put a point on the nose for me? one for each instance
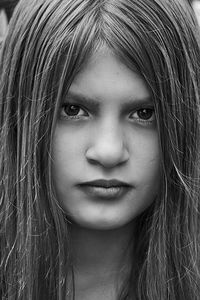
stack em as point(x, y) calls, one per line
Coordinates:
point(108, 147)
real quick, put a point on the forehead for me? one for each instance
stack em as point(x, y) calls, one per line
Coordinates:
point(106, 76)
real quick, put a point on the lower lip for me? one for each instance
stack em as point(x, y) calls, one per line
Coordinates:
point(103, 193)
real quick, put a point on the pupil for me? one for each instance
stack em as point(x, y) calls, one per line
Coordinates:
point(72, 110)
point(145, 113)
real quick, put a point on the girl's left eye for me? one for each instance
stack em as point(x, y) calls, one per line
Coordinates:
point(144, 115)
point(72, 111)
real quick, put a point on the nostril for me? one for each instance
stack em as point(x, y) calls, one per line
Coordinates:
point(92, 161)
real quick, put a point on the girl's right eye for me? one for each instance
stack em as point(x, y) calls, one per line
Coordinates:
point(72, 111)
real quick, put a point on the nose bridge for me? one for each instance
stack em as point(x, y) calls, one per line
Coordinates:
point(110, 135)
point(108, 144)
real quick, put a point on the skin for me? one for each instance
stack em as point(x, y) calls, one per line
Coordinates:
point(3, 25)
point(196, 7)
point(109, 141)
point(105, 139)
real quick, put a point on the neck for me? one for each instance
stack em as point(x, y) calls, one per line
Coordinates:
point(101, 253)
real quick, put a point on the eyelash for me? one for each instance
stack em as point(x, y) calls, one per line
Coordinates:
point(67, 105)
point(85, 114)
point(149, 120)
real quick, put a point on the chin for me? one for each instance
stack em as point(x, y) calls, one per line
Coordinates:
point(102, 224)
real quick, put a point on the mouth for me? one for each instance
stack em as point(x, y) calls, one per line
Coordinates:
point(105, 189)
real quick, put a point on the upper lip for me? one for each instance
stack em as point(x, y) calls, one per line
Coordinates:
point(105, 183)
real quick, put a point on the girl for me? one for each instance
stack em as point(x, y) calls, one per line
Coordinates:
point(100, 151)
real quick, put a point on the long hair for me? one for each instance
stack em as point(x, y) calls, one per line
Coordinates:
point(48, 42)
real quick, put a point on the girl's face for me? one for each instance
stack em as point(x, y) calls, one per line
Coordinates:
point(106, 161)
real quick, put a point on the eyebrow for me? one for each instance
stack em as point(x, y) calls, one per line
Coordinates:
point(95, 104)
point(83, 100)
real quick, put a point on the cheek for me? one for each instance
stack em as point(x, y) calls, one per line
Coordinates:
point(145, 153)
point(68, 148)
point(147, 163)
point(64, 158)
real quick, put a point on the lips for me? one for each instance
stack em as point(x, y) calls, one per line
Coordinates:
point(105, 189)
